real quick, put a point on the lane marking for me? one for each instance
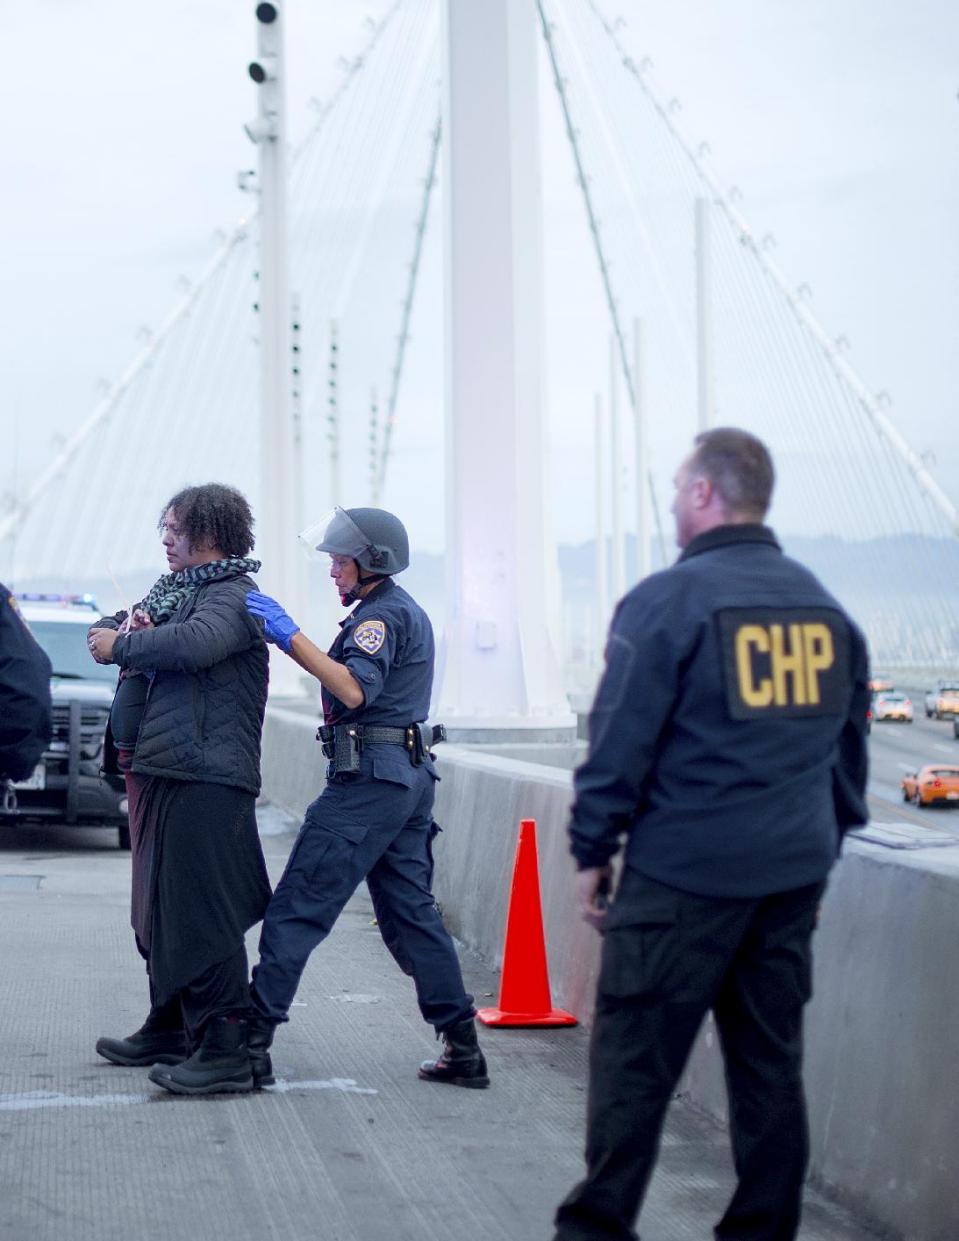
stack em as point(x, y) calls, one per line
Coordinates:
point(896, 738)
point(945, 749)
point(905, 812)
point(36, 1100)
point(33, 1100)
point(345, 1084)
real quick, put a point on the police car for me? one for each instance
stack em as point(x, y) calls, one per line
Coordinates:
point(67, 784)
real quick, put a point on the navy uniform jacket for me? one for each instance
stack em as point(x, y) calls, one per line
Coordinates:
point(727, 737)
point(387, 644)
point(24, 694)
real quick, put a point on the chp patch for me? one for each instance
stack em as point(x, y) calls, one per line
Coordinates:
point(785, 662)
point(369, 635)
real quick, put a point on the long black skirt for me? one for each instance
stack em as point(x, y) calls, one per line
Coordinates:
point(199, 880)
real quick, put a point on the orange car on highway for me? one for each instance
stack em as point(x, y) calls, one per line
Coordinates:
point(930, 784)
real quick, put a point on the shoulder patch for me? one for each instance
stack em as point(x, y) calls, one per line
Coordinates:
point(369, 635)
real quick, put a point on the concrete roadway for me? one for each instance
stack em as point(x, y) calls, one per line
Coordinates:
point(349, 1146)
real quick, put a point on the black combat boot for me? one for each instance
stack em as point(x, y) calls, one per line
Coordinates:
point(259, 1041)
point(220, 1064)
point(462, 1063)
point(156, 1042)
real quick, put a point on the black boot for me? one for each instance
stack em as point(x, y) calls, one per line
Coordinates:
point(462, 1063)
point(156, 1042)
point(220, 1064)
point(259, 1041)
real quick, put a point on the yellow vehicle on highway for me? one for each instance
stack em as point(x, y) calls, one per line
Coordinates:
point(930, 784)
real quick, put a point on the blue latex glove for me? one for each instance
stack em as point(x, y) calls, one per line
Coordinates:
point(279, 627)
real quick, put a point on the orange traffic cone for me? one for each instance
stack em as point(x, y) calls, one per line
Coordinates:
point(524, 998)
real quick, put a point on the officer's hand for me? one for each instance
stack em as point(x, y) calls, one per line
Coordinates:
point(280, 628)
point(100, 642)
point(592, 888)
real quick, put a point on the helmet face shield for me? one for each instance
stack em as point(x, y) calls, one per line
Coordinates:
point(375, 539)
point(336, 535)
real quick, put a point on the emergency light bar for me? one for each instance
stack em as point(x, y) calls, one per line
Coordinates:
point(83, 601)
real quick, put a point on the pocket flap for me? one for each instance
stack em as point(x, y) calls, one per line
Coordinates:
point(644, 909)
point(336, 824)
point(396, 769)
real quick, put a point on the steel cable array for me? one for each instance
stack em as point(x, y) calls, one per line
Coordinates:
point(186, 409)
point(852, 498)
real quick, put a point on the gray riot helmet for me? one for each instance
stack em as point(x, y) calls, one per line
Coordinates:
point(375, 539)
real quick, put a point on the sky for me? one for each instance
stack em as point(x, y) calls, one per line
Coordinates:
point(122, 136)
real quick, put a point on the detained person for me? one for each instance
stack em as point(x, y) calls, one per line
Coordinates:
point(198, 665)
point(374, 818)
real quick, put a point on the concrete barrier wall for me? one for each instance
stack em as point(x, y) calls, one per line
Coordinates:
point(881, 1030)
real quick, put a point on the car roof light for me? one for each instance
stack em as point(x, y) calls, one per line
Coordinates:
point(66, 601)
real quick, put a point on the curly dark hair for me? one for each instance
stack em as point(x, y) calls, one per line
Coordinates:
point(213, 514)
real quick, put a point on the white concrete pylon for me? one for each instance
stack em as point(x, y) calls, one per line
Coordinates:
point(500, 672)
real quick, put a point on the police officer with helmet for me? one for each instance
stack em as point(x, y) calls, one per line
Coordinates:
point(727, 743)
point(374, 818)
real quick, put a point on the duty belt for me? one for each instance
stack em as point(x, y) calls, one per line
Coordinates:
point(343, 743)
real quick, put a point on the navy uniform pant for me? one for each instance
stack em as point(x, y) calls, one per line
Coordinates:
point(363, 826)
point(668, 958)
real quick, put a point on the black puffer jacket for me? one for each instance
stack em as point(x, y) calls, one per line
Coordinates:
point(24, 694)
point(204, 709)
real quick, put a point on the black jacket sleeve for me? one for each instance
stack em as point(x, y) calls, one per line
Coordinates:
point(852, 758)
point(24, 695)
point(110, 622)
point(219, 626)
point(632, 705)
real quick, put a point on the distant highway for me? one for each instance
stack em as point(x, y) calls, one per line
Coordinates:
point(897, 748)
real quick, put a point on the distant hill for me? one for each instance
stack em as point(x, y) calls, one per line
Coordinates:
point(902, 589)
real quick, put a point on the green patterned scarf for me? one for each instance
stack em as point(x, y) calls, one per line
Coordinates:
point(169, 591)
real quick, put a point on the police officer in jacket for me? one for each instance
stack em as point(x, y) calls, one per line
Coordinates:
point(374, 818)
point(24, 694)
point(727, 743)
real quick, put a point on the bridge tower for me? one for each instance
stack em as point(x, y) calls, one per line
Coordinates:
point(500, 675)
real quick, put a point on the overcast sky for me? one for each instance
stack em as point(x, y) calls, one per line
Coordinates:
point(122, 136)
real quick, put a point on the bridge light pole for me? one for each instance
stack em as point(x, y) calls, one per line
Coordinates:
point(277, 517)
point(705, 399)
point(500, 672)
